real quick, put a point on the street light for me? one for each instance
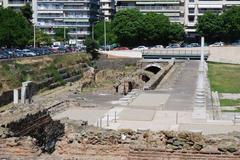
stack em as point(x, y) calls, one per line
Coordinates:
point(34, 35)
point(105, 35)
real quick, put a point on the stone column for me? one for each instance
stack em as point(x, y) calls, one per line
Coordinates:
point(15, 96)
point(24, 91)
point(23, 94)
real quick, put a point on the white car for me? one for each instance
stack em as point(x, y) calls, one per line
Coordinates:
point(140, 48)
point(28, 53)
point(217, 44)
point(157, 47)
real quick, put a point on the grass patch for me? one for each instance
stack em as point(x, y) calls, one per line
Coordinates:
point(230, 102)
point(237, 110)
point(13, 73)
point(224, 78)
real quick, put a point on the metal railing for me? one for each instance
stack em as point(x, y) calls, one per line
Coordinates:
point(176, 52)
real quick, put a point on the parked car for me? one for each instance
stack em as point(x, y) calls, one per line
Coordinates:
point(173, 45)
point(28, 53)
point(157, 47)
point(237, 43)
point(140, 48)
point(4, 55)
point(121, 48)
point(217, 44)
point(195, 45)
point(18, 53)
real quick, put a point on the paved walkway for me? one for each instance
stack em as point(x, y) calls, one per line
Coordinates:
point(182, 90)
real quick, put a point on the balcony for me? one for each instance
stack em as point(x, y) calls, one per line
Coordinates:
point(79, 33)
point(107, 7)
point(106, 1)
point(152, 8)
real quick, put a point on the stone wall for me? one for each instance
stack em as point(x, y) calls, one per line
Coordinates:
point(114, 63)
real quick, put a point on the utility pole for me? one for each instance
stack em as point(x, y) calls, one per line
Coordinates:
point(34, 35)
point(93, 31)
point(105, 36)
point(64, 29)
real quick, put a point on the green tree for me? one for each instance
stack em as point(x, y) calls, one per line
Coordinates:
point(59, 34)
point(99, 33)
point(155, 29)
point(127, 25)
point(27, 12)
point(210, 25)
point(15, 30)
point(132, 28)
point(176, 32)
point(231, 23)
point(91, 47)
point(42, 38)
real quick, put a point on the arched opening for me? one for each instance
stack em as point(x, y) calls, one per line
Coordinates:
point(130, 86)
point(153, 69)
point(144, 78)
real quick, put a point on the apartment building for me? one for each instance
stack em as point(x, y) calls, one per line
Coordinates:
point(107, 8)
point(76, 16)
point(196, 8)
point(14, 4)
point(174, 9)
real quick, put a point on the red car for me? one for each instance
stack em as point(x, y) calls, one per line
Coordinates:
point(120, 48)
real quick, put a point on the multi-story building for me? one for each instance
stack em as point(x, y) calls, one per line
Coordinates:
point(15, 4)
point(75, 15)
point(107, 8)
point(196, 8)
point(174, 9)
point(1, 3)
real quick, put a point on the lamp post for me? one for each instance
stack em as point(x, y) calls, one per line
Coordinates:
point(105, 35)
point(64, 29)
point(93, 31)
point(34, 35)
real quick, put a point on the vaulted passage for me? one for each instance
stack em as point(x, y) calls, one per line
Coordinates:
point(145, 78)
point(153, 69)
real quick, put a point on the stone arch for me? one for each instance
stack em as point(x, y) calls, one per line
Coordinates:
point(144, 78)
point(144, 75)
point(154, 68)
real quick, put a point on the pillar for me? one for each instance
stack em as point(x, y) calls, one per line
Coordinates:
point(23, 94)
point(15, 96)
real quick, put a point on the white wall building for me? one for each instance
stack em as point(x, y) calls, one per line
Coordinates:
point(15, 4)
point(195, 8)
point(75, 15)
point(107, 8)
point(174, 9)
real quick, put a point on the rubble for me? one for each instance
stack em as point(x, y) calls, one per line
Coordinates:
point(37, 125)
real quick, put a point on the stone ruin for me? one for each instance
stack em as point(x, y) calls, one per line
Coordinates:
point(39, 126)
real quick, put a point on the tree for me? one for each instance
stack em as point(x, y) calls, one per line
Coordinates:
point(59, 34)
point(15, 30)
point(127, 25)
point(210, 25)
point(132, 28)
point(155, 29)
point(176, 32)
point(91, 47)
point(231, 23)
point(27, 12)
point(42, 38)
point(99, 33)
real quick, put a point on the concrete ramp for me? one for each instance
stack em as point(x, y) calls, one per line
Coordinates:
point(150, 100)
